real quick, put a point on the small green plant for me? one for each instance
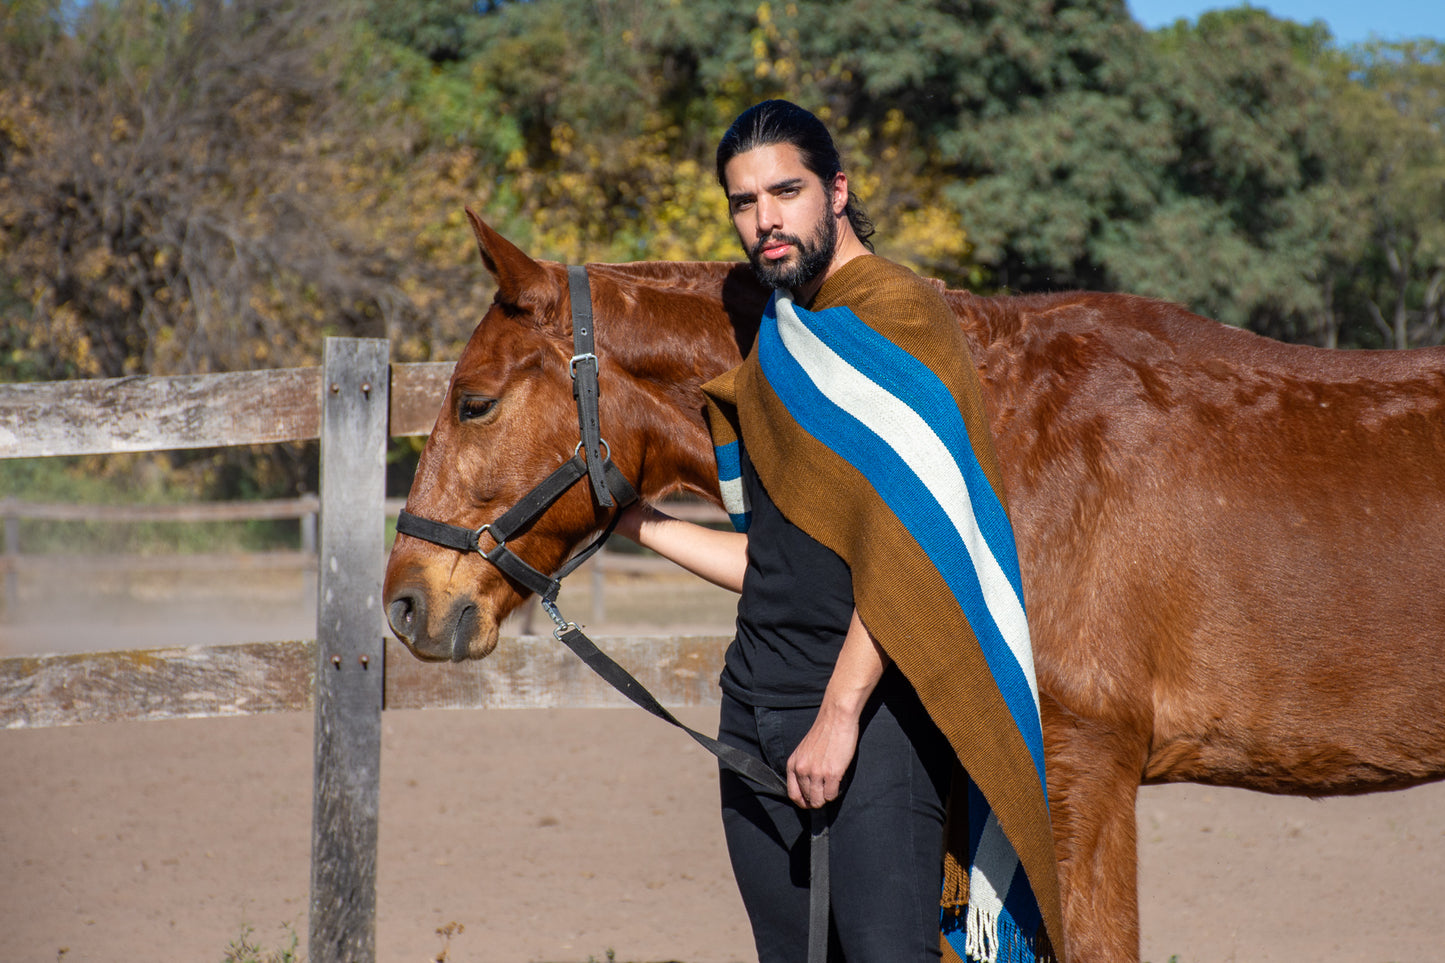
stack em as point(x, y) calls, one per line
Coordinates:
point(243, 950)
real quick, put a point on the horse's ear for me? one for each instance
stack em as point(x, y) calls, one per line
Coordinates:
point(520, 279)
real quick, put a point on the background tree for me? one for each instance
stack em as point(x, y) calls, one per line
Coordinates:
point(1248, 215)
point(191, 185)
point(618, 108)
point(1054, 137)
point(164, 212)
point(1190, 164)
point(188, 187)
point(1390, 153)
point(439, 30)
point(218, 186)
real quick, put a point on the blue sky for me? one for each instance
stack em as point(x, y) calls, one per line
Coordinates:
point(1351, 21)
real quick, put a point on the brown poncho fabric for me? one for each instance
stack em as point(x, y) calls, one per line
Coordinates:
point(863, 417)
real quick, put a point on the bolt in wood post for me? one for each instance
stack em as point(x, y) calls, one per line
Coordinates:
point(349, 663)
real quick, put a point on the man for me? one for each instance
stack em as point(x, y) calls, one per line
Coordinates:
point(854, 457)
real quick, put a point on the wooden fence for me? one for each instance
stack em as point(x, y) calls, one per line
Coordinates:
point(349, 673)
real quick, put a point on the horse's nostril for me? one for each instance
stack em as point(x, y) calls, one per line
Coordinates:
point(462, 632)
point(403, 615)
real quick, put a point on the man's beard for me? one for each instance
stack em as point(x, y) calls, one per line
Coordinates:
point(808, 260)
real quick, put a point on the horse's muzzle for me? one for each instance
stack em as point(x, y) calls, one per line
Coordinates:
point(407, 613)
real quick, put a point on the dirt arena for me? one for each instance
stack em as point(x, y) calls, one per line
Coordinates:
point(565, 835)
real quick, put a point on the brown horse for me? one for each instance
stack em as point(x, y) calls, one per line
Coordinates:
point(1232, 549)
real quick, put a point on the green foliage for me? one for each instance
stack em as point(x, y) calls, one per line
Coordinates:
point(437, 29)
point(30, 24)
point(190, 187)
point(1059, 141)
point(1203, 163)
point(618, 108)
point(1244, 213)
point(1389, 162)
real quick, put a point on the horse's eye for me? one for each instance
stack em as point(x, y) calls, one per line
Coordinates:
point(472, 408)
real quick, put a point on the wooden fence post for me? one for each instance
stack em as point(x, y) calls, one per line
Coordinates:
point(349, 653)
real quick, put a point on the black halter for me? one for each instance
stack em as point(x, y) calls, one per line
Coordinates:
point(592, 460)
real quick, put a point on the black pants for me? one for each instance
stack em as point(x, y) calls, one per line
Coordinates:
point(886, 837)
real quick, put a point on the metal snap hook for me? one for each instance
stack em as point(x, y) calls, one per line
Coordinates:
point(555, 614)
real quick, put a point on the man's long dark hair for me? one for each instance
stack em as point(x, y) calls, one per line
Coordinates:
point(782, 122)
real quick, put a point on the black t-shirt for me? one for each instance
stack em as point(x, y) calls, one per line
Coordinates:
point(796, 604)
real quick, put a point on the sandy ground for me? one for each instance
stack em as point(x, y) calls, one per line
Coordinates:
point(566, 835)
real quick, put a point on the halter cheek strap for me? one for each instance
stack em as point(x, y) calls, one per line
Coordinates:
point(585, 389)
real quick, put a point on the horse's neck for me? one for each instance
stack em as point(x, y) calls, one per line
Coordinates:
point(685, 325)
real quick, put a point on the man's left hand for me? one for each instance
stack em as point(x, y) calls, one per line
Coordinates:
point(816, 768)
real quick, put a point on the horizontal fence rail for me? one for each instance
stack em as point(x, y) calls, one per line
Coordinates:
point(254, 678)
point(113, 415)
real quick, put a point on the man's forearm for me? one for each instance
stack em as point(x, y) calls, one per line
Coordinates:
point(717, 556)
point(860, 665)
point(816, 768)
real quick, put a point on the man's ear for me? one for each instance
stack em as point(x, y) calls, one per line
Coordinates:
point(840, 193)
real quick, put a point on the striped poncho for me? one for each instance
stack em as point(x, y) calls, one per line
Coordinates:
point(864, 421)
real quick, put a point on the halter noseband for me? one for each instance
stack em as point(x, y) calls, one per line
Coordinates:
point(592, 460)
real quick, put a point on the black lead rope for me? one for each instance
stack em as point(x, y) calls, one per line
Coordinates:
point(611, 488)
point(744, 764)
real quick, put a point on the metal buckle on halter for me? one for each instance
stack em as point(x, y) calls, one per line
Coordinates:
point(581, 357)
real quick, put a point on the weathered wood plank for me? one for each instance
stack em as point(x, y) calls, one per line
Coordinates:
point(199, 681)
point(417, 393)
point(155, 414)
point(192, 682)
point(350, 663)
point(536, 672)
point(194, 411)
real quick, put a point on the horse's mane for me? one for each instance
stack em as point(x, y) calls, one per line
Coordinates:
point(701, 276)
